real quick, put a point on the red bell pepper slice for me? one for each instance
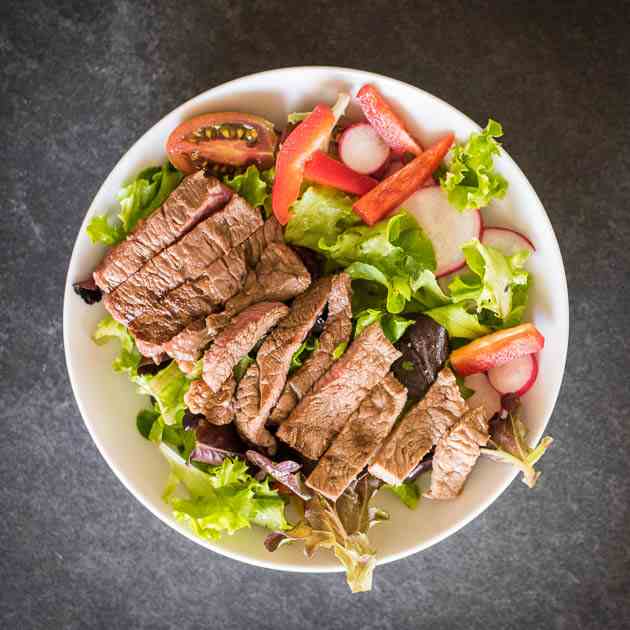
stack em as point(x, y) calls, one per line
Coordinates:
point(322, 169)
point(391, 192)
point(296, 150)
point(386, 121)
point(497, 348)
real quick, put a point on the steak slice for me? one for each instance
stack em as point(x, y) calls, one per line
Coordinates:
point(278, 276)
point(186, 259)
point(196, 298)
point(419, 430)
point(196, 198)
point(249, 423)
point(271, 232)
point(337, 330)
point(217, 408)
point(151, 351)
point(246, 329)
point(456, 453)
point(359, 439)
point(322, 413)
point(274, 356)
point(188, 344)
point(192, 300)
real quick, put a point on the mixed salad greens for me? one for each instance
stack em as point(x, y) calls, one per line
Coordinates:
point(359, 215)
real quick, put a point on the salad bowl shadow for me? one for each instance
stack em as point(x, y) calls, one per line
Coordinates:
point(108, 402)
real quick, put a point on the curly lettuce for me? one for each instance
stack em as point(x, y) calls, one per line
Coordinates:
point(253, 186)
point(470, 179)
point(138, 200)
point(394, 254)
point(167, 387)
point(407, 492)
point(221, 499)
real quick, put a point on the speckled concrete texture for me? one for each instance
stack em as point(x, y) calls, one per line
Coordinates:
point(80, 81)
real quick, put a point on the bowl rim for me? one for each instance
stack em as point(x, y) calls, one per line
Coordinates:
point(562, 300)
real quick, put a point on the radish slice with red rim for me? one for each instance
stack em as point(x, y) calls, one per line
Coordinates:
point(485, 395)
point(516, 377)
point(506, 240)
point(362, 149)
point(447, 228)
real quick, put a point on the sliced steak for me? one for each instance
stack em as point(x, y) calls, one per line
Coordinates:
point(189, 343)
point(217, 408)
point(196, 198)
point(271, 232)
point(249, 423)
point(272, 365)
point(278, 276)
point(419, 430)
point(359, 439)
point(197, 298)
point(192, 300)
point(151, 351)
point(274, 356)
point(322, 413)
point(186, 259)
point(246, 329)
point(456, 453)
point(337, 330)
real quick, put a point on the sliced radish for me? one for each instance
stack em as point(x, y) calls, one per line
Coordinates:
point(507, 241)
point(484, 394)
point(362, 149)
point(447, 228)
point(515, 377)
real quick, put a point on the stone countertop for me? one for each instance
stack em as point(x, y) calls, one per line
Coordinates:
point(81, 81)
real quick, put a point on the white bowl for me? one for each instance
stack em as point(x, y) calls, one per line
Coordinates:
point(108, 402)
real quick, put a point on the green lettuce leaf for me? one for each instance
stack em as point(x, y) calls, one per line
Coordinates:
point(145, 420)
point(168, 387)
point(470, 179)
point(320, 216)
point(253, 185)
point(138, 200)
point(393, 326)
point(128, 359)
point(306, 348)
point(458, 321)
point(496, 283)
point(407, 492)
point(221, 499)
point(395, 253)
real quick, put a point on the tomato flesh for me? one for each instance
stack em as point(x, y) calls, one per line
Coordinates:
point(230, 138)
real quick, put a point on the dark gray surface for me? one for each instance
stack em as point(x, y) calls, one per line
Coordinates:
point(80, 81)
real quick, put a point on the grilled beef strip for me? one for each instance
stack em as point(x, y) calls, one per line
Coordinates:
point(456, 453)
point(248, 422)
point(217, 408)
point(337, 330)
point(196, 198)
point(189, 343)
point(192, 300)
point(186, 259)
point(419, 430)
point(195, 299)
point(279, 276)
point(246, 329)
point(273, 361)
point(359, 439)
point(322, 413)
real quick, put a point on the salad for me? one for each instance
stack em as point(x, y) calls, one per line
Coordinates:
point(317, 314)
